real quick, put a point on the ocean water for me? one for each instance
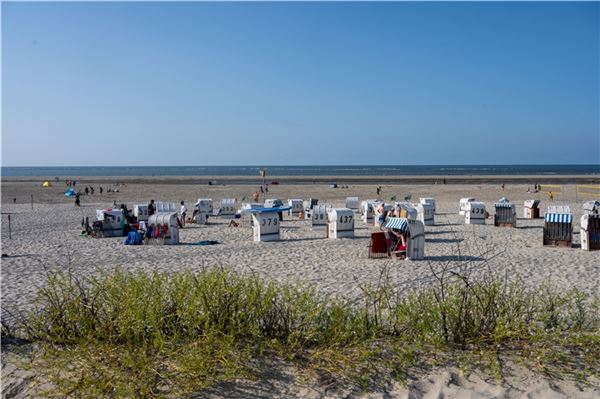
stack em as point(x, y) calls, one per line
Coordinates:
point(338, 170)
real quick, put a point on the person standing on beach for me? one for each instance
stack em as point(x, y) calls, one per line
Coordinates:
point(100, 190)
point(382, 215)
point(77, 200)
point(183, 212)
point(151, 208)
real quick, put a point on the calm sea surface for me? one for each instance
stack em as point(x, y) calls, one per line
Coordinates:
point(343, 170)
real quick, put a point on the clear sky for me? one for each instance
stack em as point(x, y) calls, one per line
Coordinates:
point(300, 83)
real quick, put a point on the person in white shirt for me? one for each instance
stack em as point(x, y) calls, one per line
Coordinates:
point(183, 212)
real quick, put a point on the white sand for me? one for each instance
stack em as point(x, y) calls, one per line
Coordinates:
point(49, 237)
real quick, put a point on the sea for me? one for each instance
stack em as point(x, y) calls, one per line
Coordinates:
point(305, 170)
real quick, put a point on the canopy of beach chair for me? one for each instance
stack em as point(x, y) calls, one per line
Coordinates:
point(397, 223)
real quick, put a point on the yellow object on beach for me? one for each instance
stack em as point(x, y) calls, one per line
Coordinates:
point(588, 190)
point(555, 189)
point(46, 184)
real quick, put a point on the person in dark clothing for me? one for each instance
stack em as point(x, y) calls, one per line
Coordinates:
point(87, 191)
point(151, 208)
point(101, 189)
point(77, 200)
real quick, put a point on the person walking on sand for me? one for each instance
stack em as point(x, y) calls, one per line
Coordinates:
point(77, 200)
point(183, 212)
point(255, 196)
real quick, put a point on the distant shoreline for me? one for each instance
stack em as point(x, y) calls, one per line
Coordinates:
point(257, 180)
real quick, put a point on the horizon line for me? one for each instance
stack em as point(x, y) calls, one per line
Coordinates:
point(298, 165)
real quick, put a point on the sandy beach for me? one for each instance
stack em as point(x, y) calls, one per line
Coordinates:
point(49, 237)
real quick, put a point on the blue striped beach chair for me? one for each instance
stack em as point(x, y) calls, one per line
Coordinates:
point(558, 227)
point(506, 213)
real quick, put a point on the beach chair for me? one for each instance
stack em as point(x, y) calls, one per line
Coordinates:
point(169, 223)
point(415, 231)
point(407, 210)
point(426, 213)
point(591, 207)
point(228, 208)
point(340, 223)
point(352, 203)
point(531, 209)
point(109, 223)
point(296, 207)
point(589, 232)
point(558, 228)
point(319, 217)
point(463, 204)
point(378, 245)
point(140, 212)
point(428, 200)
point(204, 205)
point(308, 206)
point(367, 209)
point(475, 213)
point(506, 214)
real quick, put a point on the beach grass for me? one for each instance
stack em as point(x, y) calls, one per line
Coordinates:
point(150, 334)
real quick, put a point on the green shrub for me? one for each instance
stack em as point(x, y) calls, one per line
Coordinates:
point(151, 334)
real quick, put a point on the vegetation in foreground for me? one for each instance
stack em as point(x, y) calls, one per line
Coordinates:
point(150, 334)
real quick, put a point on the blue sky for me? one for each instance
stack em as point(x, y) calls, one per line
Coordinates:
point(300, 83)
